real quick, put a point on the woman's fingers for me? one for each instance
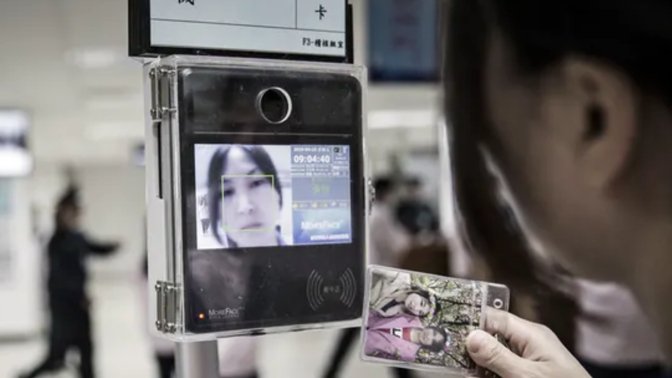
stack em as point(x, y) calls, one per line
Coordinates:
point(536, 352)
point(489, 353)
point(517, 332)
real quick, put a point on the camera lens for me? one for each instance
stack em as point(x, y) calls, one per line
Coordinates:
point(274, 105)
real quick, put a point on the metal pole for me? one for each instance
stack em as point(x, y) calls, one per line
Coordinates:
point(197, 360)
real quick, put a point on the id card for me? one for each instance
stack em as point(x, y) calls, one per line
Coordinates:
point(421, 321)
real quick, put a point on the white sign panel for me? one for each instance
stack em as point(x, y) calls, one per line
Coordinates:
point(306, 27)
point(15, 159)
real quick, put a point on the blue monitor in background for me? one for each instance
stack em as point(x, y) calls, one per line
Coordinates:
point(403, 43)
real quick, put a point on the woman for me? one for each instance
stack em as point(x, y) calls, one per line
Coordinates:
point(245, 197)
point(401, 338)
point(567, 103)
point(392, 295)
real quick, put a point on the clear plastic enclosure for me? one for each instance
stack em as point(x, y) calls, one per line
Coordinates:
point(257, 196)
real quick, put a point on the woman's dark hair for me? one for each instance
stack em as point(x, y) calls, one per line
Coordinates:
point(437, 346)
point(218, 165)
point(630, 35)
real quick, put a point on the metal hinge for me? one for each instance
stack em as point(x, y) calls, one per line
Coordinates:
point(167, 295)
point(161, 79)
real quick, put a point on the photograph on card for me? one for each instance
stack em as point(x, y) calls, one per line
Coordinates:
point(415, 318)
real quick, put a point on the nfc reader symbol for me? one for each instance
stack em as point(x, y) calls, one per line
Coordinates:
point(314, 290)
point(349, 285)
point(345, 290)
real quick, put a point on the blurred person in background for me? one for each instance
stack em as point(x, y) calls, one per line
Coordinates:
point(415, 214)
point(428, 251)
point(69, 303)
point(388, 241)
point(568, 105)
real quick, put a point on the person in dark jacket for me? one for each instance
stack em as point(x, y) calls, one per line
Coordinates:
point(66, 287)
point(414, 213)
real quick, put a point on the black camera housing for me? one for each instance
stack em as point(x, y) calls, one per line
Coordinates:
point(264, 289)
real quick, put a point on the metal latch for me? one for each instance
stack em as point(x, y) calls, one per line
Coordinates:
point(166, 306)
point(161, 79)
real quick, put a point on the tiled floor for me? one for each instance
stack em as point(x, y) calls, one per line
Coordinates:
point(122, 349)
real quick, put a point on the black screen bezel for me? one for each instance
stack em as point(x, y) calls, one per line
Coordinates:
point(295, 134)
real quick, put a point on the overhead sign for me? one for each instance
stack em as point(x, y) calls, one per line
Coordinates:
point(304, 29)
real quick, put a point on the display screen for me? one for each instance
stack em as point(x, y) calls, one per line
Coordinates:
point(272, 195)
point(403, 40)
point(15, 158)
point(278, 26)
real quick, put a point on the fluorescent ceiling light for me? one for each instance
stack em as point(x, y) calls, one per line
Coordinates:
point(391, 119)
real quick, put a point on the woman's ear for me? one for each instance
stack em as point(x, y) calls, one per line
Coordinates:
point(606, 105)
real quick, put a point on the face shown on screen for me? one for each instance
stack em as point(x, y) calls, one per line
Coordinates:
point(250, 203)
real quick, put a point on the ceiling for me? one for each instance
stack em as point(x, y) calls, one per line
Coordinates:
point(65, 62)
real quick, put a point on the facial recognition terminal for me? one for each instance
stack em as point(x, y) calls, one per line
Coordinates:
point(259, 176)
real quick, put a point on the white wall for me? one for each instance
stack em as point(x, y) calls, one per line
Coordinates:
point(114, 208)
point(20, 289)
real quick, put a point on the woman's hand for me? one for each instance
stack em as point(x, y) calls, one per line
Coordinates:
point(535, 350)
